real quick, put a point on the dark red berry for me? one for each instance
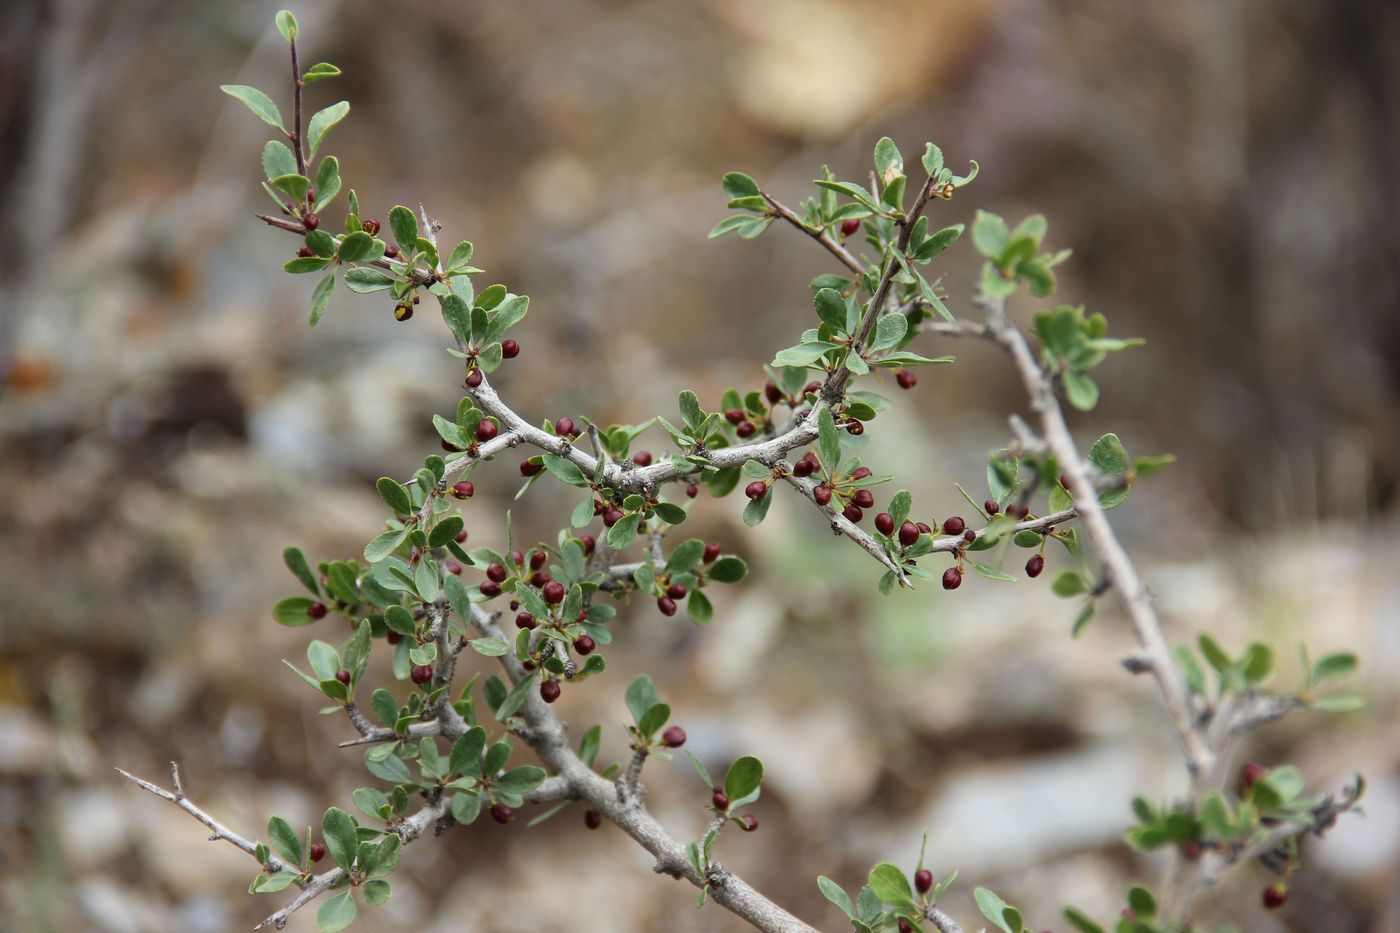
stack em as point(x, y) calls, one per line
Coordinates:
point(861, 473)
point(592, 819)
point(853, 513)
point(667, 605)
point(370, 226)
point(923, 881)
point(850, 225)
point(589, 543)
point(496, 572)
point(906, 379)
point(564, 427)
point(802, 468)
point(490, 589)
point(1034, 566)
point(612, 515)
point(923, 527)
point(305, 252)
point(463, 490)
point(550, 690)
point(734, 415)
point(317, 852)
point(748, 823)
point(343, 676)
point(392, 251)
point(772, 393)
point(904, 927)
point(392, 637)
point(311, 221)
point(969, 536)
point(952, 578)
point(756, 490)
point(822, 494)
point(884, 523)
point(461, 537)
point(813, 459)
point(1191, 851)
point(673, 737)
point(863, 498)
point(501, 813)
point(991, 507)
point(908, 534)
point(712, 552)
point(584, 644)
point(954, 526)
point(676, 591)
point(746, 430)
point(529, 468)
point(1250, 774)
point(537, 559)
point(642, 458)
point(453, 568)
point(474, 379)
point(524, 620)
point(517, 557)
point(486, 429)
point(720, 800)
point(317, 610)
point(554, 592)
point(692, 490)
point(421, 673)
point(449, 448)
point(1275, 895)
point(510, 349)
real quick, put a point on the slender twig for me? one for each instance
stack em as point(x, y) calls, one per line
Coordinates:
point(821, 236)
point(298, 144)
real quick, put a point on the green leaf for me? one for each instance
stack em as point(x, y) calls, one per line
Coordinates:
point(1339, 702)
point(1081, 922)
point(992, 573)
point(1108, 456)
point(377, 891)
point(278, 160)
point(1068, 583)
point(405, 227)
point(291, 611)
point(284, 839)
point(654, 718)
point(390, 768)
point(319, 72)
point(394, 495)
point(356, 246)
point(990, 235)
point(756, 510)
point(622, 534)
point(744, 778)
point(327, 181)
point(566, 472)
point(296, 563)
point(338, 829)
point(336, 913)
point(837, 895)
point(1213, 653)
point(831, 308)
point(993, 908)
point(286, 24)
point(892, 887)
point(1082, 392)
point(738, 185)
point(699, 608)
point(828, 441)
point(889, 331)
point(640, 697)
point(1142, 902)
point(1333, 665)
point(728, 569)
point(1258, 662)
point(516, 698)
point(258, 102)
point(321, 123)
point(321, 298)
point(364, 280)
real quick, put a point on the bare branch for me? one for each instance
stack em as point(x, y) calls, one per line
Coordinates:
point(821, 236)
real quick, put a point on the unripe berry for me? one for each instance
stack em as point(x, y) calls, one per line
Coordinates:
point(317, 852)
point(311, 221)
point(343, 676)
point(474, 379)
point(712, 552)
point(510, 349)
point(884, 523)
point(486, 429)
point(802, 468)
point(421, 674)
point(748, 823)
point(317, 610)
point(589, 543)
point(734, 415)
point(822, 494)
point(673, 737)
point(952, 578)
point(861, 473)
point(592, 819)
point(853, 513)
point(1034, 566)
point(906, 379)
point(564, 427)
point(746, 430)
point(529, 468)
point(923, 881)
point(850, 225)
point(667, 605)
point(612, 515)
point(756, 490)
point(908, 534)
point(463, 490)
point(1275, 895)
point(524, 620)
point(991, 507)
point(641, 458)
point(863, 498)
point(584, 644)
point(501, 813)
point(554, 592)
point(490, 589)
point(550, 690)
point(720, 800)
point(954, 526)
point(772, 393)
point(403, 311)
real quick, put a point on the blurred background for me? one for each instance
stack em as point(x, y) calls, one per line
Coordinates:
point(1223, 169)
